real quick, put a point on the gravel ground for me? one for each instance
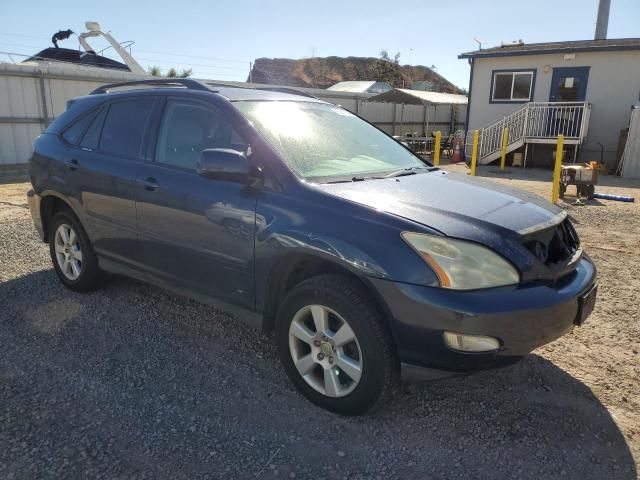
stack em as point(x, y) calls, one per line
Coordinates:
point(132, 382)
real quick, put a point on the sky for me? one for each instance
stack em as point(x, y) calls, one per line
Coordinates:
point(218, 40)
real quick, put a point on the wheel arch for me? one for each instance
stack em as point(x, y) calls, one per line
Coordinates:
point(295, 267)
point(50, 204)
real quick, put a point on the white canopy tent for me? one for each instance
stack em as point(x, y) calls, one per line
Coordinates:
point(405, 96)
point(419, 97)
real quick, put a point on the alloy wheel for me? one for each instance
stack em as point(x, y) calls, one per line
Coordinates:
point(325, 351)
point(68, 251)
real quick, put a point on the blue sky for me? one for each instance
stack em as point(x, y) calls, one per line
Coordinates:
point(219, 39)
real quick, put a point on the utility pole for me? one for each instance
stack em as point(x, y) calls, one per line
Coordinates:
point(250, 72)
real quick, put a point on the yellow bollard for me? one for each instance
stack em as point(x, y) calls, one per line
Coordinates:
point(436, 149)
point(505, 139)
point(555, 191)
point(474, 153)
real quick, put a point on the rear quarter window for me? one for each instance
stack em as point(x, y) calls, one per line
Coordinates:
point(124, 127)
point(91, 138)
point(73, 134)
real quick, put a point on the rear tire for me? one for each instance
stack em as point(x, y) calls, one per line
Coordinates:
point(74, 260)
point(350, 364)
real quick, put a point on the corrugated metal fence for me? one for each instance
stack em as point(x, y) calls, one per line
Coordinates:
point(631, 156)
point(32, 96)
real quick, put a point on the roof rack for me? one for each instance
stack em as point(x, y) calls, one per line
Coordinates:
point(291, 91)
point(174, 82)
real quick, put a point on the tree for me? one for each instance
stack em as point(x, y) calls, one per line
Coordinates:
point(387, 69)
point(171, 73)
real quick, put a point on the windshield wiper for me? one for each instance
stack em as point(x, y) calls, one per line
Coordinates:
point(397, 173)
point(355, 178)
point(407, 171)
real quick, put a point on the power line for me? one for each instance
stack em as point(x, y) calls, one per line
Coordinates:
point(212, 75)
point(224, 67)
point(175, 54)
point(22, 35)
point(192, 56)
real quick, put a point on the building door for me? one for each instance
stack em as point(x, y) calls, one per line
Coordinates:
point(569, 86)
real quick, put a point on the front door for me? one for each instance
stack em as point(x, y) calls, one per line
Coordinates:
point(569, 86)
point(196, 233)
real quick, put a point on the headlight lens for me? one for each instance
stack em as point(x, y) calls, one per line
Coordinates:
point(462, 265)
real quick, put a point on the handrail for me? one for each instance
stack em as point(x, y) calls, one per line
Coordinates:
point(536, 120)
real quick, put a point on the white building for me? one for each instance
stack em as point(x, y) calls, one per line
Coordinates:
point(584, 90)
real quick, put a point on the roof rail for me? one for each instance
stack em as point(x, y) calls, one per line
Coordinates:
point(291, 91)
point(173, 82)
point(275, 88)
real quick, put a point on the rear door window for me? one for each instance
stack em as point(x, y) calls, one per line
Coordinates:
point(91, 138)
point(124, 127)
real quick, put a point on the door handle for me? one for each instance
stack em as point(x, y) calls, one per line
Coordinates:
point(149, 184)
point(72, 164)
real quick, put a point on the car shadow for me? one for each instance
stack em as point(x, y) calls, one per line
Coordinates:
point(181, 389)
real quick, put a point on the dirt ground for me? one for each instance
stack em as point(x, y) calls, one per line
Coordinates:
point(84, 391)
point(605, 352)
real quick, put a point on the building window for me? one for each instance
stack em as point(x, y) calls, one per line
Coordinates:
point(512, 86)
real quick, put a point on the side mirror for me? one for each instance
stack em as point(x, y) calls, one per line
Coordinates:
point(224, 164)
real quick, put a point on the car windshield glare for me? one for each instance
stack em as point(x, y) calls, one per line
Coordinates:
point(323, 142)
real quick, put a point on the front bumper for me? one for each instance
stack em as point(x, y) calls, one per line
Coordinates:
point(521, 317)
point(33, 199)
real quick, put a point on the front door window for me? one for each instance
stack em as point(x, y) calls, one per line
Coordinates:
point(568, 89)
point(569, 84)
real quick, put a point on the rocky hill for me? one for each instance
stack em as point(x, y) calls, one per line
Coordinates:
point(324, 72)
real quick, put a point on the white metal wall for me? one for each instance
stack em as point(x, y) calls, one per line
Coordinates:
point(631, 165)
point(32, 96)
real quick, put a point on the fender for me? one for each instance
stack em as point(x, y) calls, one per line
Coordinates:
point(36, 207)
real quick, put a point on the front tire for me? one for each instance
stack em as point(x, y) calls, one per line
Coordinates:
point(72, 254)
point(335, 345)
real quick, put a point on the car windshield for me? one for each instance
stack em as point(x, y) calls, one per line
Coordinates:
point(322, 142)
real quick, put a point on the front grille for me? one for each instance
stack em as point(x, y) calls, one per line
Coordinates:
point(555, 245)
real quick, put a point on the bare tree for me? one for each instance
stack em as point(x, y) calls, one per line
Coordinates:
point(387, 69)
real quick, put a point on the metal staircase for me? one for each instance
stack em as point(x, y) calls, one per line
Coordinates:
point(533, 122)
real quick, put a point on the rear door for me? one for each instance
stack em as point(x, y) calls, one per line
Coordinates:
point(195, 232)
point(103, 169)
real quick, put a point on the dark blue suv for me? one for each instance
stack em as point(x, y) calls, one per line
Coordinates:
point(303, 219)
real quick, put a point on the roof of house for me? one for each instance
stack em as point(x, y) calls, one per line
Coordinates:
point(556, 47)
point(419, 97)
point(358, 86)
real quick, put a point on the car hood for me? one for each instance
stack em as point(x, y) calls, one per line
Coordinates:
point(451, 202)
